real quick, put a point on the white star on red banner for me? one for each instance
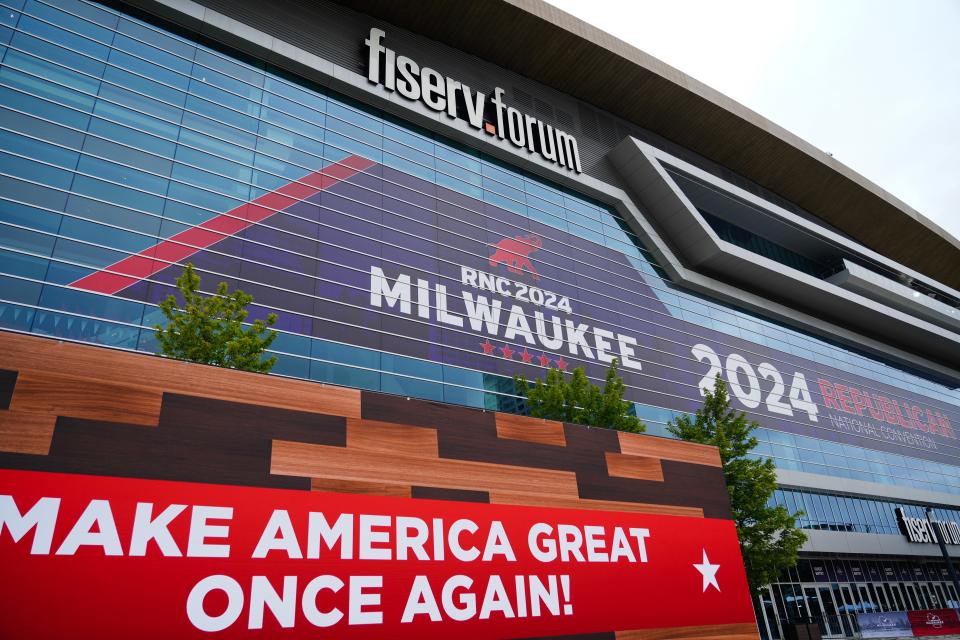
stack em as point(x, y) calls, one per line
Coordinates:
point(708, 571)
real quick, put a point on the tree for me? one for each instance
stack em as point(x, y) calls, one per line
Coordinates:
point(209, 329)
point(580, 401)
point(769, 539)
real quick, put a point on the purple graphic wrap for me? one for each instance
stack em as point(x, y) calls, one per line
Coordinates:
point(388, 261)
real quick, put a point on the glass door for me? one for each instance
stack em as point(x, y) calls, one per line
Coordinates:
point(833, 626)
point(770, 613)
point(815, 608)
point(869, 606)
point(938, 591)
point(952, 593)
point(853, 599)
point(889, 595)
point(912, 594)
point(898, 597)
point(881, 598)
point(845, 610)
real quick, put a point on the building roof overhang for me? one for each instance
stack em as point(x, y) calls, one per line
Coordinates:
point(541, 42)
point(864, 300)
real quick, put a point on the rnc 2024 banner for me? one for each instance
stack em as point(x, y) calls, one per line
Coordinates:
point(98, 557)
point(370, 256)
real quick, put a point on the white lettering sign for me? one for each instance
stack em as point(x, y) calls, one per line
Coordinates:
point(404, 76)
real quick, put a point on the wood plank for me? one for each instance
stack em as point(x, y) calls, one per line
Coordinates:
point(544, 500)
point(427, 413)
point(18, 352)
point(740, 631)
point(22, 432)
point(86, 397)
point(270, 391)
point(319, 461)
point(638, 467)
point(530, 429)
point(454, 495)
point(8, 381)
point(386, 437)
point(365, 488)
point(668, 449)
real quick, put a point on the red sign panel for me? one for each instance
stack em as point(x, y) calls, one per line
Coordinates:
point(122, 558)
point(934, 622)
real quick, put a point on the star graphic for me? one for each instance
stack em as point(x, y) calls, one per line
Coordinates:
point(507, 351)
point(526, 356)
point(708, 571)
point(562, 364)
point(487, 347)
point(544, 360)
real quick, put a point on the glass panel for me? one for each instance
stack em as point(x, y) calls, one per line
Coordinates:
point(941, 598)
point(814, 608)
point(845, 610)
point(866, 601)
point(897, 597)
point(833, 626)
point(773, 624)
point(912, 596)
point(954, 601)
point(881, 597)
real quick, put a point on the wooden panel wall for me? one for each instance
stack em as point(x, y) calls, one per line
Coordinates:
point(83, 409)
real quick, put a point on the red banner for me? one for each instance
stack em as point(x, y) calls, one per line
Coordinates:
point(934, 622)
point(90, 556)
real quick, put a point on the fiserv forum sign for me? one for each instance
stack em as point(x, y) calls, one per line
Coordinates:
point(446, 95)
point(922, 530)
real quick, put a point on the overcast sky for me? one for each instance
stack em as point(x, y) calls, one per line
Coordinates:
point(874, 82)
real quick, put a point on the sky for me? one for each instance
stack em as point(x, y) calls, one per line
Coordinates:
point(876, 83)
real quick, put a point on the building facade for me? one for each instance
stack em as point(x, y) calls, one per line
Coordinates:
point(429, 224)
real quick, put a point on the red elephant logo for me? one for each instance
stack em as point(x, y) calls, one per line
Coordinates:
point(515, 254)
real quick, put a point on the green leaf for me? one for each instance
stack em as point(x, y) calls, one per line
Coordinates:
point(210, 329)
point(769, 538)
point(579, 401)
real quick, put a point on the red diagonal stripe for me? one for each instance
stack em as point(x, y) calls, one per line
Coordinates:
point(124, 273)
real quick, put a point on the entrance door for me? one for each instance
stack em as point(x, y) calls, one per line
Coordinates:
point(833, 626)
point(853, 599)
point(938, 589)
point(898, 597)
point(912, 594)
point(770, 613)
point(843, 608)
point(886, 591)
point(815, 608)
point(881, 598)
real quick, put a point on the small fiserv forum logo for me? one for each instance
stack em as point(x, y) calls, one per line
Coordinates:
point(515, 254)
